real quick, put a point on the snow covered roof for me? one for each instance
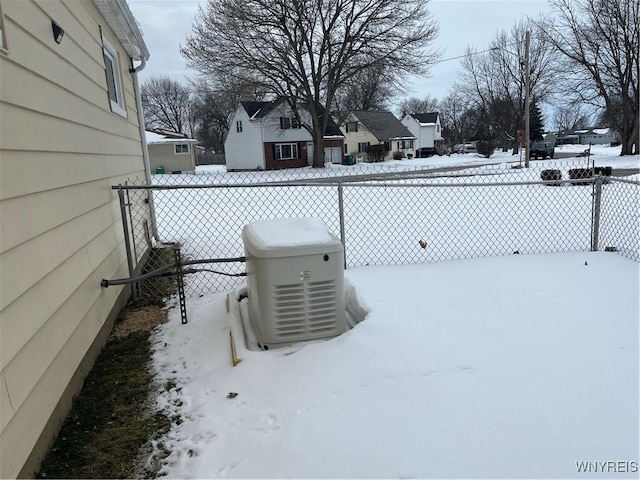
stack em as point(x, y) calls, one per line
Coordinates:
point(601, 131)
point(156, 138)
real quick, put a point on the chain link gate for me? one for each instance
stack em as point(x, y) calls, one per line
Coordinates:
point(388, 218)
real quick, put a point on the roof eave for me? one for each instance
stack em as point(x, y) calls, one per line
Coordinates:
point(124, 26)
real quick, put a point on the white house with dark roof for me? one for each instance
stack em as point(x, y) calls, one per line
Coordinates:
point(269, 136)
point(362, 129)
point(425, 127)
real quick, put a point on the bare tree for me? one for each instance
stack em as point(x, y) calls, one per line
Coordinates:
point(600, 41)
point(570, 117)
point(427, 104)
point(166, 104)
point(370, 89)
point(213, 108)
point(493, 81)
point(305, 50)
point(457, 123)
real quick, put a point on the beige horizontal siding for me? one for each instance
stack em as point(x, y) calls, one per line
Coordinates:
point(163, 155)
point(61, 151)
point(53, 262)
point(24, 427)
point(58, 169)
point(55, 207)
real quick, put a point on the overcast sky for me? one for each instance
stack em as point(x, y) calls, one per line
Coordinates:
point(166, 24)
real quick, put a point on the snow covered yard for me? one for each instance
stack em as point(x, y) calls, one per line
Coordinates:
point(515, 366)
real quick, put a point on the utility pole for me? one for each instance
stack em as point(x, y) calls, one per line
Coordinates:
point(527, 99)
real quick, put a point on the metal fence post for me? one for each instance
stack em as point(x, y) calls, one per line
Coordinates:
point(341, 210)
point(127, 240)
point(597, 201)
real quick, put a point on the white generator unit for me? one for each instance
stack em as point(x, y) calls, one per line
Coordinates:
point(295, 281)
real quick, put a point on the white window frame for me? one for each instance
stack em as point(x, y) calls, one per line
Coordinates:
point(110, 53)
point(175, 148)
point(278, 151)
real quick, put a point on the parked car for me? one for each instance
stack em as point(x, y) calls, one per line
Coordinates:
point(541, 150)
point(424, 152)
point(465, 148)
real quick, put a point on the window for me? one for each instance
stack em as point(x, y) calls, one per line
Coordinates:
point(239, 126)
point(286, 151)
point(363, 147)
point(3, 43)
point(352, 127)
point(287, 123)
point(405, 144)
point(114, 86)
point(438, 128)
point(182, 148)
point(346, 150)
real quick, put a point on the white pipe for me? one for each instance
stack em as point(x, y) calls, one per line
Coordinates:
point(145, 150)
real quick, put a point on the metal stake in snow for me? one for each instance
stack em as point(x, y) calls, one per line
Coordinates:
point(180, 282)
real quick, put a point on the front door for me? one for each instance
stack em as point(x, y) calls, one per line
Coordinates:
point(310, 153)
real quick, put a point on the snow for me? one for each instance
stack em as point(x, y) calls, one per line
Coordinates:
point(511, 367)
point(514, 366)
point(288, 233)
point(152, 137)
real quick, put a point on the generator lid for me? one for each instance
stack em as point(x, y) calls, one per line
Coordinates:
point(287, 237)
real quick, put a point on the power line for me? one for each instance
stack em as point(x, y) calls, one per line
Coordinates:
point(474, 53)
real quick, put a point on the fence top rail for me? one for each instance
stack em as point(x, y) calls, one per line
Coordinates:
point(370, 183)
point(624, 180)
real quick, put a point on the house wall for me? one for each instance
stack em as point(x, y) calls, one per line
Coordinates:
point(244, 150)
point(272, 164)
point(426, 135)
point(61, 150)
point(163, 155)
point(272, 132)
point(597, 138)
point(352, 139)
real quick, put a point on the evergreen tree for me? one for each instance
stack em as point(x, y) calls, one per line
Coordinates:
point(536, 123)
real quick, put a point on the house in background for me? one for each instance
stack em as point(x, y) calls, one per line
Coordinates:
point(598, 136)
point(70, 128)
point(171, 152)
point(594, 136)
point(362, 129)
point(425, 127)
point(268, 136)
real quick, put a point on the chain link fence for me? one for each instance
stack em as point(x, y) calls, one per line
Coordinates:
point(384, 215)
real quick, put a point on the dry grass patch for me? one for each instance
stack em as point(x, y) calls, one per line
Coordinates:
point(108, 431)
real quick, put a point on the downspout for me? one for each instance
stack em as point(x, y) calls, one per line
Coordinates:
point(145, 151)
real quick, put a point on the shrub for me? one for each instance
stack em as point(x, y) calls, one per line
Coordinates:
point(398, 155)
point(376, 153)
point(485, 148)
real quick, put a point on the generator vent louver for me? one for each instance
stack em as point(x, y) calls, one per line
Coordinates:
point(307, 308)
point(295, 293)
